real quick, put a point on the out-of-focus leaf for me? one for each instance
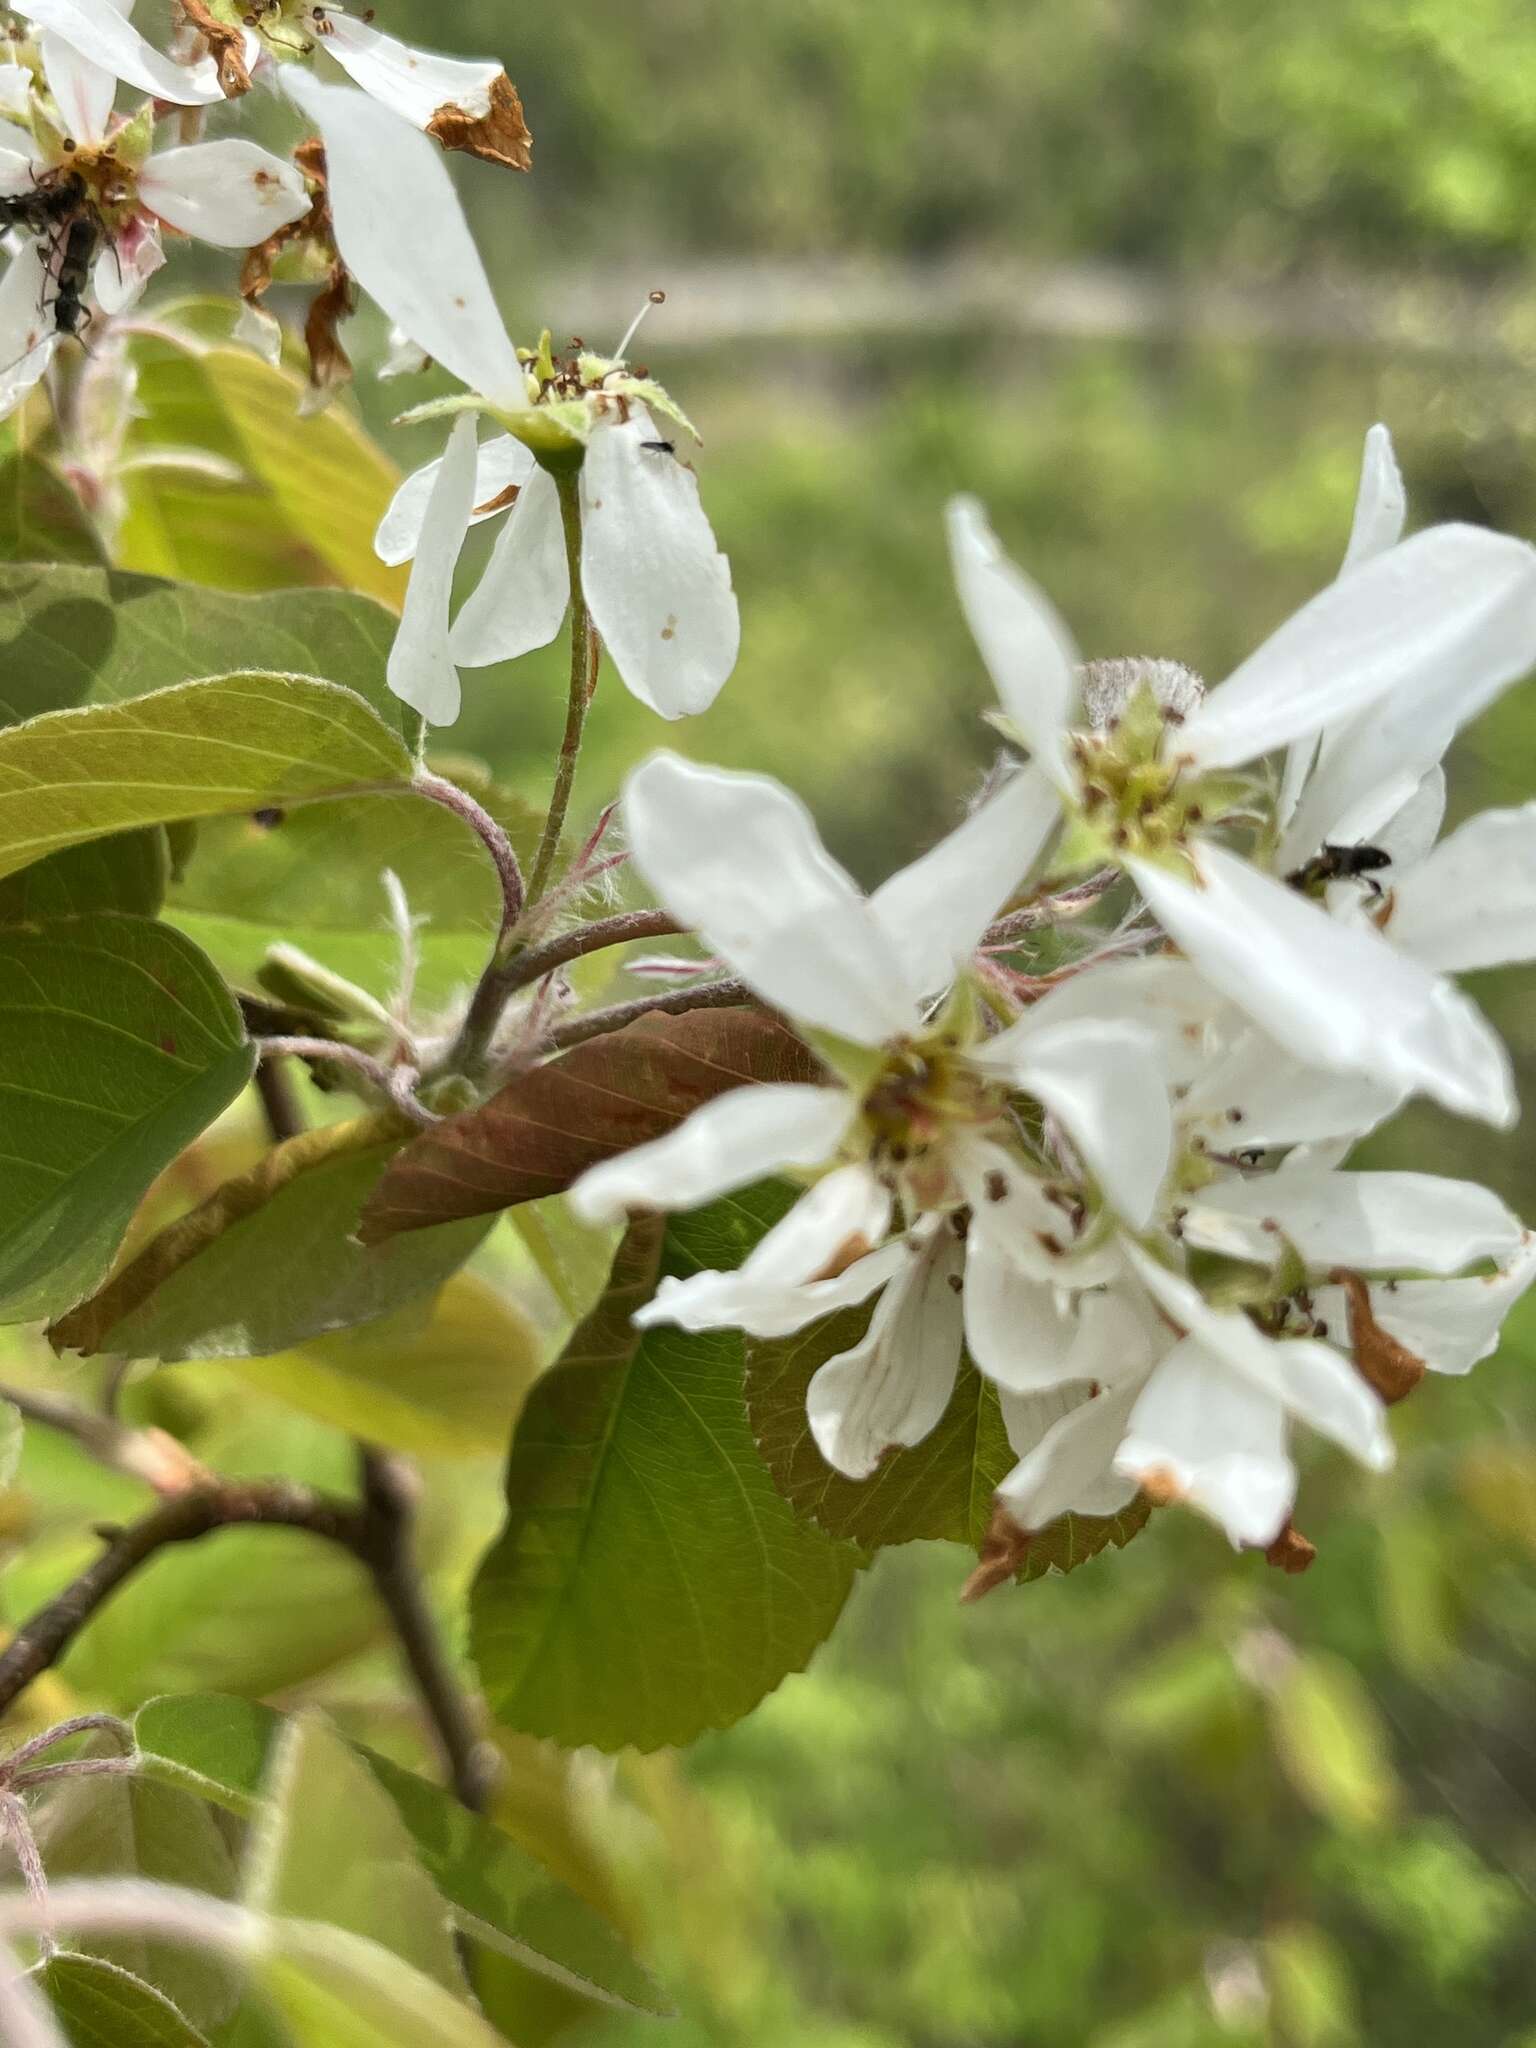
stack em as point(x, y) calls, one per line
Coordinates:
point(574, 1258)
point(134, 1827)
point(498, 1893)
point(1309, 1983)
point(101, 2006)
point(126, 872)
point(1332, 1743)
point(232, 743)
point(336, 1990)
point(941, 1488)
point(41, 518)
point(1499, 1481)
point(311, 878)
point(649, 1582)
point(447, 1384)
point(119, 1044)
point(332, 1847)
point(534, 1136)
point(78, 636)
point(289, 1271)
point(276, 500)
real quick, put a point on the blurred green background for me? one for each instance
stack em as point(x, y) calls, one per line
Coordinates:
point(1139, 272)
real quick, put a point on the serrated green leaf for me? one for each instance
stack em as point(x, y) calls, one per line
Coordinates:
point(77, 636)
point(231, 743)
point(223, 1302)
point(940, 1489)
point(280, 499)
point(336, 1990)
point(118, 1045)
point(649, 1581)
point(331, 1846)
point(135, 1828)
point(101, 2006)
point(126, 872)
point(447, 1382)
point(499, 1894)
point(41, 518)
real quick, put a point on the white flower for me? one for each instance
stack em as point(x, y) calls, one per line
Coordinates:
point(99, 32)
point(919, 1136)
point(108, 182)
point(1414, 638)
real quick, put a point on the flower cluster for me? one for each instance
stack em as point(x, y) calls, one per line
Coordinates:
point(1121, 1186)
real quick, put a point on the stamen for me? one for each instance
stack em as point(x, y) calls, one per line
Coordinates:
point(655, 299)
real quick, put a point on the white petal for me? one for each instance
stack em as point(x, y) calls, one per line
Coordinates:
point(1412, 829)
point(1337, 997)
point(1219, 1443)
point(738, 1301)
point(1372, 1222)
point(739, 1137)
point(521, 597)
point(657, 586)
point(1257, 1095)
point(15, 92)
point(27, 334)
point(1161, 995)
point(99, 31)
point(1450, 1324)
point(420, 668)
point(1067, 1445)
point(1450, 613)
point(403, 235)
point(230, 192)
point(1308, 1378)
point(1019, 1330)
point(83, 91)
point(1027, 649)
point(1472, 903)
point(738, 859)
point(1105, 1083)
point(125, 266)
point(846, 1209)
point(1381, 504)
point(499, 462)
point(21, 162)
point(1010, 1204)
point(935, 911)
point(894, 1385)
point(416, 84)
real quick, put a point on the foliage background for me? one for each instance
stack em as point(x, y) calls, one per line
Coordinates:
point(1139, 272)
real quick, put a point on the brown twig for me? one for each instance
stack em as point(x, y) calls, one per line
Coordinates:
point(525, 968)
point(704, 995)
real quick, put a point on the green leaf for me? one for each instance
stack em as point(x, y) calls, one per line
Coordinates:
point(222, 1303)
point(445, 1384)
point(41, 518)
point(1333, 1744)
point(101, 2006)
point(278, 499)
point(133, 1827)
point(126, 872)
point(498, 1893)
point(649, 1581)
point(535, 1135)
point(77, 636)
point(311, 878)
point(940, 1489)
point(332, 1847)
point(337, 1990)
point(232, 743)
point(118, 1045)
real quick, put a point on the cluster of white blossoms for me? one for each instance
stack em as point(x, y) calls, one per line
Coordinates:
point(1119, 1186)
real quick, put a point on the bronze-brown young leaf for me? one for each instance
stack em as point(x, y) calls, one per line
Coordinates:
point(649, 1582)
point(538, 1133)
point(231, 743)
point(941, 1488)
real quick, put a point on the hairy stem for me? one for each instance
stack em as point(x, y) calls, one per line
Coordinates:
point(703, 995)
point(584, 660)
point(396, 1083)
point(622, 930)
point(438, 790)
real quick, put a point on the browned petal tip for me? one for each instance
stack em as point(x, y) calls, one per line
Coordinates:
point(500, 135)
point(1386, 1366)
point(1003, 1550)
point(226, 46)
point(1291, 1552)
